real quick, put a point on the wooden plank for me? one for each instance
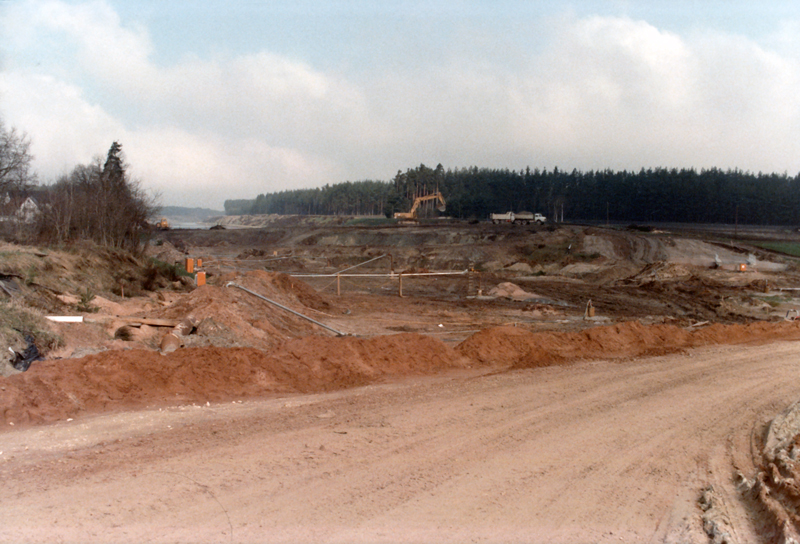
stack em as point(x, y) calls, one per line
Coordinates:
point(148, 321)
point(133, 320)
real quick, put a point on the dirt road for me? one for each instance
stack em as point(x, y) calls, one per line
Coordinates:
point(592, 452)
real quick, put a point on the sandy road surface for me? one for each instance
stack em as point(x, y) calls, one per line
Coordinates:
point(593, 452)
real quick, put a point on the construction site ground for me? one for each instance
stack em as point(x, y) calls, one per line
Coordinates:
point(556, 383)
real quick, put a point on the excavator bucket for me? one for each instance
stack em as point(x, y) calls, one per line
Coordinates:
point(442, 206)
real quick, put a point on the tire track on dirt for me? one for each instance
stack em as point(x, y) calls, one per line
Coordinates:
point(594, 451)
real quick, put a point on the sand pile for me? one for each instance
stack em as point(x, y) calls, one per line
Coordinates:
point(230, 317)
point(512, 291)
point(56, 390)
point(521, 348)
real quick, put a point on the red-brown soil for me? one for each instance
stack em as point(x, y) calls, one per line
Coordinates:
point(247, 320)
point(506, 419)
point(605, 451)
point(134, 379)
point(520, 348)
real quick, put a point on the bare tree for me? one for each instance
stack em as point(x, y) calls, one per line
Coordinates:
point(99, 203)
point(15, 159)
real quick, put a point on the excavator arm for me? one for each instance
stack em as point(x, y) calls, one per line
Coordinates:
point(412, 214)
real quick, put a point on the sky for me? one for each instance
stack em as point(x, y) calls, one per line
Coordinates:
point(215, 100)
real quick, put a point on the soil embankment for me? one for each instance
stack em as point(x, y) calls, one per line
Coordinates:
point(134, 379)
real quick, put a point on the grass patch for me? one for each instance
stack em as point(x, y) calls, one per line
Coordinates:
point(17, 321)
point(775, 300)
point(18, 263)
point(787, 248)
point(550, 253)
point(31, 267)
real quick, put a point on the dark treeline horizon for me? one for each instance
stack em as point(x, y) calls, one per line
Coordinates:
point(683, 195)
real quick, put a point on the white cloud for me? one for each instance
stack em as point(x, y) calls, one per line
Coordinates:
point(219, 128)
point(64, 128)
point(115, 55)
point(620, 93)
point(205, 168)
point(603, 92)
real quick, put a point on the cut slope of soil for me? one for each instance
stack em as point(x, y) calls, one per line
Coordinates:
point(59, 389)
point(520, 348)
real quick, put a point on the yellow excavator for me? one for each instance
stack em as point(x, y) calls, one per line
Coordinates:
point(412, 214)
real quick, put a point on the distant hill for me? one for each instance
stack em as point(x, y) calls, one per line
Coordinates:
point(199, 214)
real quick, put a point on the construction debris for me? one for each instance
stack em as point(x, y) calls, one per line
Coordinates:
point(22, 360)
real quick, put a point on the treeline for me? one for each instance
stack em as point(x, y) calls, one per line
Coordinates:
point(649, 195)
point(348, 198)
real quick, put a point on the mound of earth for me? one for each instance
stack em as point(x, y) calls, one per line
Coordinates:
point(521, 348)
point(59, 389)
point(166, 252)
point(513, 292)
point(56, 390)
point(231, 317)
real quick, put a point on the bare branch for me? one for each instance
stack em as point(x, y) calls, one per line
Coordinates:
point(15, 159)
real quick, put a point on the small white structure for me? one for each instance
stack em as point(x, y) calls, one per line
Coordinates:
point(18, 208)
point(28, 210)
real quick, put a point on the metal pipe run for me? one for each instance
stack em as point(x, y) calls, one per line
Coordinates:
point(249, 260)
point(361, 264)
point(282, 307)
point(389, 275)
